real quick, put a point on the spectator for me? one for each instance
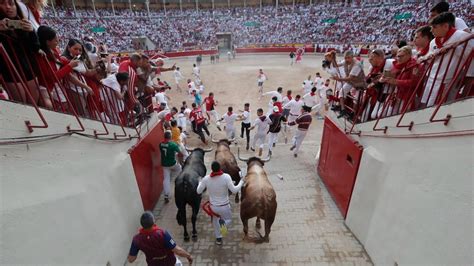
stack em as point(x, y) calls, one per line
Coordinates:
point(33, 10)
point(113, 97)
point(18, 38)
point(422, 39)
point(443, 7)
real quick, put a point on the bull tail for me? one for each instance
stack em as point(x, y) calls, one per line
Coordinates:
point(181, 215)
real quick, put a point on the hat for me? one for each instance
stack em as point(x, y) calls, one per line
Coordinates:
point(276, 109)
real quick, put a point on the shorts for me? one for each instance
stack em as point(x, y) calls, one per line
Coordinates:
point(260, 83)
point(286, 113)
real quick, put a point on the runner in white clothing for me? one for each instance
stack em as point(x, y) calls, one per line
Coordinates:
point(318, 81)
point(229, 120)
point(218, 185)
point(177, 78)
point(272, 94)
point(261, 77)
point(307, 84)
point(262, 123)
point(191, 86)
point(197, 74)
point(295, 106)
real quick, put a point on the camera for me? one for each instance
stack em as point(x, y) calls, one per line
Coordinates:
point(326, 63)
point(14, 24)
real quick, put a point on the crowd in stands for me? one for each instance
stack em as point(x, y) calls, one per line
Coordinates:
point(318, 24)
point(81, 76)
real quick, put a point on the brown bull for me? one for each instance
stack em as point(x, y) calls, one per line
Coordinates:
point(258, 196)
point(227, 161)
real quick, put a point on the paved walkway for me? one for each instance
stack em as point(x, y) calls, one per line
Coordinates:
point(308, 229)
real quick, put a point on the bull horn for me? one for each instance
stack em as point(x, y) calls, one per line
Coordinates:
point(266, 159)
point(213, 140)
point(231, 140)
point(240, 158)
point(208, 150)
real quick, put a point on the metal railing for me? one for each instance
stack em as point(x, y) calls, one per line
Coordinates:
point(445, 77)
point(102, 104)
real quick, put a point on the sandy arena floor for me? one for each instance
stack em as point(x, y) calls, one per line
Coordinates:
point(308, 229)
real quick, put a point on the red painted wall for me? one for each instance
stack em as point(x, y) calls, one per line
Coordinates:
point(190, 53)
point(338, 165)
point(146, 159)
point(271, 50)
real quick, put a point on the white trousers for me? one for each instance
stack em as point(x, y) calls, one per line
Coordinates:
point(225, 213)
point(167, 171)
point(298, 139)
point(230, 131)
point(272, 138)
point(183, 151)
point(260, 139)
point(213, 114)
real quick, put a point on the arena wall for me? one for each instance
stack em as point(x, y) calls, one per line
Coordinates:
point(412, 200)
point(67, 200)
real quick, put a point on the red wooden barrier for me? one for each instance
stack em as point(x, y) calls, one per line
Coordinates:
point(271, 50)
point(190, 53)
point(338, 165)
point(146, 160)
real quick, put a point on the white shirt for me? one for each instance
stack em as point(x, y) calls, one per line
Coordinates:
point(459, 24)
point(310, 100)
point(294, 106)
point(28, 15)
point(161, 98)
point(246, 117)
point(273, 94)
point(262, 126)
point(229, 119)
point(307, 85)
point(285, 101)
point(177, 75)
point(218, 188)
point(161, 115)
point(111, 81)
point(191, 87)
point(196, 71)
point(457, 59)
point(182, 138)
point(319, 82)
point(182, 120)
point(261, 77)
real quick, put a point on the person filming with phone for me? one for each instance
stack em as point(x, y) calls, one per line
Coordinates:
point(18, 38)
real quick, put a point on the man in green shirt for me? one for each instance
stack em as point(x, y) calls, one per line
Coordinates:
point(168, 150)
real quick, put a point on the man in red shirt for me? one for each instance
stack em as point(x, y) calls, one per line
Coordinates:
point(130, 66)
point(277, 104)
point(199, 122)
point(210, 109)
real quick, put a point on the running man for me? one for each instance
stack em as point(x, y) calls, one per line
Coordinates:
point(261, 123)
point(246, 123)
point(295, 106)
point(229, 120)
point(177, 78)
point(261, 77)
point(197, 74)
point(303, 121)
point(168, 150)
point(276, 118)
point(211, 110)
point(199, 122)
point(272, 94)
point(307, 84)
point(218, 185)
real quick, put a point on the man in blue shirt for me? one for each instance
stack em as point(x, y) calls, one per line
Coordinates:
point(157, 244)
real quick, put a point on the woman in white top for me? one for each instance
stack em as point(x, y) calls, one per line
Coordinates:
point(218, 185)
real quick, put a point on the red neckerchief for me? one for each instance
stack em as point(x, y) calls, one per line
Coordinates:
point(153, 229)
point(424, 51)
point(441, 40)
point(166, 141)
point(262, 118)
point(289, 97)
point(229, 113)
point(377, 69)
point(220, 172)
point(312, 94)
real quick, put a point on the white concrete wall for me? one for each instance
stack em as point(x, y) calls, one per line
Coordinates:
point(72, 200)
point(412, 202)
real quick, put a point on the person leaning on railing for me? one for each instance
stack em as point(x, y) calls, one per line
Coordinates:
point(406, 73)
point(59, 66)
point(21, 44)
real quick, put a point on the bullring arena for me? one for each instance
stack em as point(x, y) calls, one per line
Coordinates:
point(308, 228)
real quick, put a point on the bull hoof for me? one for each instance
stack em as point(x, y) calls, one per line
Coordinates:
point(186, 238)
point(195, 236)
